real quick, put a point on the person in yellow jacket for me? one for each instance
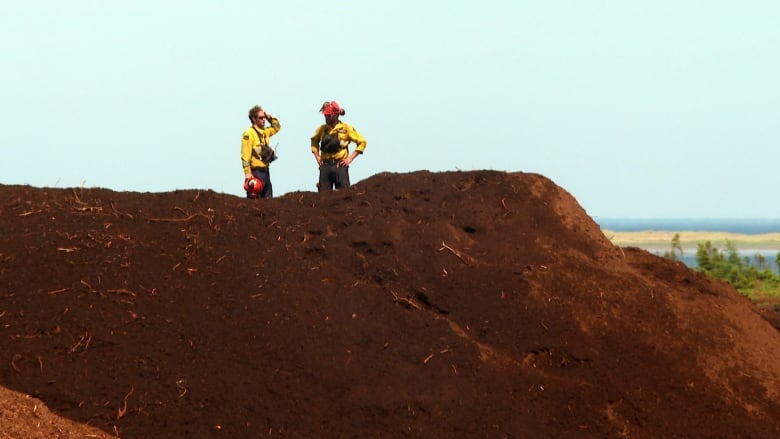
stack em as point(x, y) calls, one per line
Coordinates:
point(330, 146)
point(256, 151)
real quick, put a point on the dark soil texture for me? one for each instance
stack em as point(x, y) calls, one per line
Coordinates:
point(425, 305)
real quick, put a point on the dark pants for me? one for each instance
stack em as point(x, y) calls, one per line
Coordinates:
point(333, 176)
point(265, 177)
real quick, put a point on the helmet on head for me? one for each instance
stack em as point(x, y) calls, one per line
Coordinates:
point(332, 108)
point(253, 186)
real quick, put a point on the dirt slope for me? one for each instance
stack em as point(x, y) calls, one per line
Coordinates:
point(462, 304)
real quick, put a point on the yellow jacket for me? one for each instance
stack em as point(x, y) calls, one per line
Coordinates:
point(346, 133)
point(252, 145)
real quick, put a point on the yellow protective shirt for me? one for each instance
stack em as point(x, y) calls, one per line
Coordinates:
point(252, 144)
point(346, 133)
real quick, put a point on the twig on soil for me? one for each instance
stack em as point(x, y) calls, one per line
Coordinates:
point(61, 290)
point(122, 291)
point(85, 339)
point(88, 209)
point(503, 203)
point(409, 303)
point(455, 252)
point(180, 220)
point(181, 385)
point(14, 359)
point(427, 359)
point(120, 213)
point(88, 286)
point(123, 410)
point(76, 196)
point(152, 291)
point(18, 357)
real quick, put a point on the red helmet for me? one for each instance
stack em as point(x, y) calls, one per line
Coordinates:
point(332, 108)
point(253, 186)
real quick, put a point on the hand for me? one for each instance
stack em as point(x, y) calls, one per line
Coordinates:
point(346, 161)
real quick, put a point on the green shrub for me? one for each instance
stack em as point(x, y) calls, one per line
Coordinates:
point(752, 277)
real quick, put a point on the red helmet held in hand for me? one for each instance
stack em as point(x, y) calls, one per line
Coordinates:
point(253, 186)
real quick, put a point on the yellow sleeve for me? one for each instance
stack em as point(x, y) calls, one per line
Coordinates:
point(315, 139)
point(355, 136)
point(274, 128)
point(246, 150)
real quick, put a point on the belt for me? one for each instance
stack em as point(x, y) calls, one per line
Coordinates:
point(332, 162)
point(261, 169)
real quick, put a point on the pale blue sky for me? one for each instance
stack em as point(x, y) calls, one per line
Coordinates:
point(664, 108)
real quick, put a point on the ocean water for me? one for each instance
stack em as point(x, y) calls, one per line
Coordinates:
point(735, 225)
point(689, 258)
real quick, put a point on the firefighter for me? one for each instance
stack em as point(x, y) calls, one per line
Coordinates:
point(257, 154)
point(330, 146)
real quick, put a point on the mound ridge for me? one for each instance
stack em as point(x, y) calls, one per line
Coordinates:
point(455, 304)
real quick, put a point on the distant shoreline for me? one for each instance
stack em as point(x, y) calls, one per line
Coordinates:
point(661, 240)
point(748, 226)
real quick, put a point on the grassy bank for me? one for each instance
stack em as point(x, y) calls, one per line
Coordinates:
point(661, 240)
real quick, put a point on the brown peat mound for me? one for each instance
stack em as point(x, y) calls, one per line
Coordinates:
point(435, 305)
